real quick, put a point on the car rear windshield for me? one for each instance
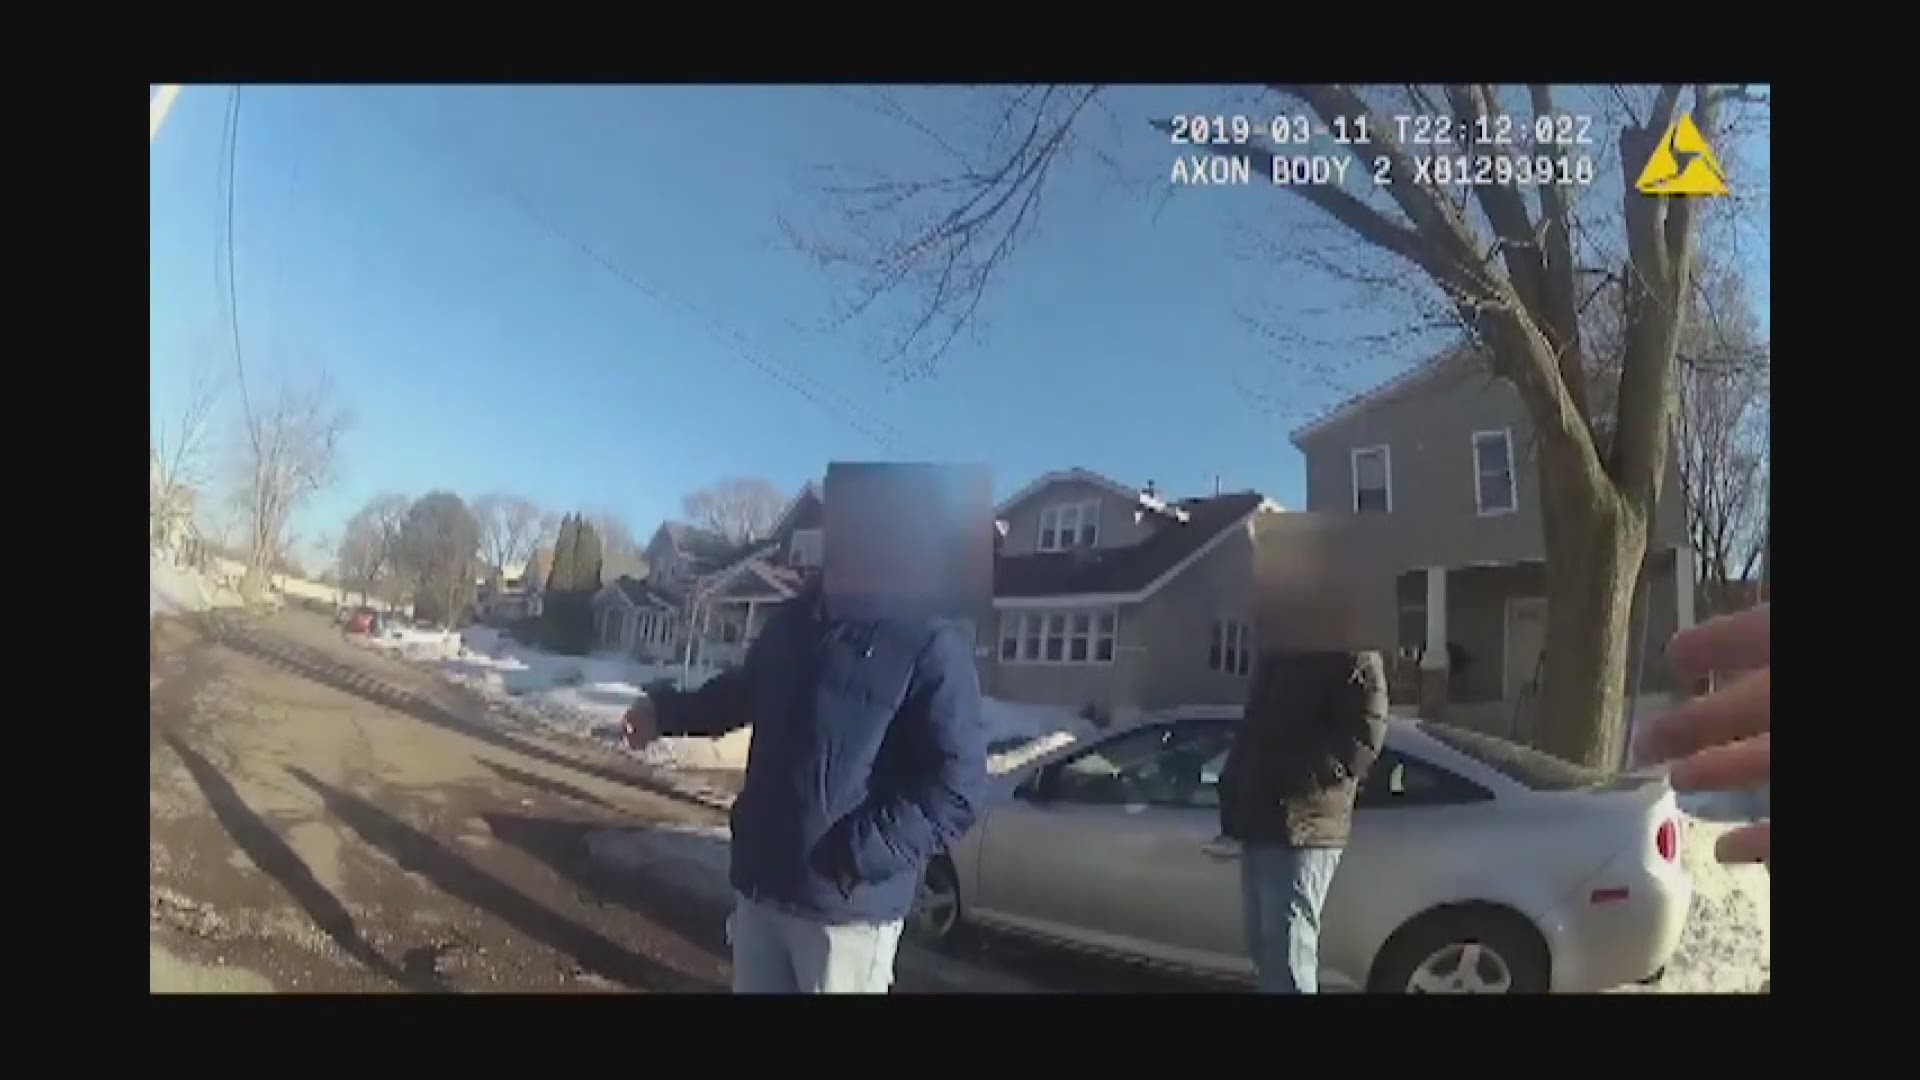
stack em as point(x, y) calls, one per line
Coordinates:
point(1539, 771)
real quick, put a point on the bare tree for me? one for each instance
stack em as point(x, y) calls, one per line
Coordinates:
point(1724, 452)
point(369, 547)
point(288, 452)
point(740, 508)
point(510, 529)
point(1506, 261)
point(177, 459)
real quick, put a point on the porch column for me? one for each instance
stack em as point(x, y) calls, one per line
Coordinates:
point(1433, 659)
point(1683, 586)
point(746, 628)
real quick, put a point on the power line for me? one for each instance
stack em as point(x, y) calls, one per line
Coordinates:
point(811, 390)
point(231, 137)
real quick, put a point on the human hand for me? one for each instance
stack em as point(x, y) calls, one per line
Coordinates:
point(1720, 741)
point(641, 727)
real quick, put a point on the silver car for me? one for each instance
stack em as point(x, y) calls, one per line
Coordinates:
point(1474, 866)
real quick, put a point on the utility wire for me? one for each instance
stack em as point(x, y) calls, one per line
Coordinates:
point(232, 141)
point(814, 392)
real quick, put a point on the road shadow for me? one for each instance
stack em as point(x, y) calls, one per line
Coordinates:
point(326, 671)
point(416, 852)
point(541, 783)
point(696, 913)
point(279, 861)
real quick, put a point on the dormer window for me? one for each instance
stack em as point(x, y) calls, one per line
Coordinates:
point(1069, 525)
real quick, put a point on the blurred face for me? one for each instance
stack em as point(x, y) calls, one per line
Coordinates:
point(909, 539)
point(1322, 584)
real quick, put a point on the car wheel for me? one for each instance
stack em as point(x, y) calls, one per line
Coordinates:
point(935, 918)
point(1465, 950)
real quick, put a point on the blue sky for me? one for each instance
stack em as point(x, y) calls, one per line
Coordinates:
point(480, 351)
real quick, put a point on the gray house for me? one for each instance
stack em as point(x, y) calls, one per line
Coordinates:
point(1447, 450)
point(1115, 599)
point(705, 599)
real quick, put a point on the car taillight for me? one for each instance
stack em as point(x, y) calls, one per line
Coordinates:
point(1667, 839)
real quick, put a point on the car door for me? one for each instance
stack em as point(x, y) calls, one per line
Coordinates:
point(1036, 863)
point(1118, 850)
point(1406, 827)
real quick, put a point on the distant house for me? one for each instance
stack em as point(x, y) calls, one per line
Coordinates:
point(1445, 452)
point(705, 599)
point(635, 617)
point(1114, 598)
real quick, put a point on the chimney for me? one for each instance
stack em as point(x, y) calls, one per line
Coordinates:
point(1149, 491)
point(1216, 485)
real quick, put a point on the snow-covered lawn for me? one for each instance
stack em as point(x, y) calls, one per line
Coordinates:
point(585, 697)
point(176, 590)
point(1727, 945)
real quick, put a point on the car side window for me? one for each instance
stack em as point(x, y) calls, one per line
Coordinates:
point(1401, 779)
point(1159, 766)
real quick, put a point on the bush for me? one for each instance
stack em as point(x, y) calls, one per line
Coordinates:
point(1097, 714)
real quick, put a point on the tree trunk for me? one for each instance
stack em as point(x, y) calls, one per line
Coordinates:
point(1595, 548)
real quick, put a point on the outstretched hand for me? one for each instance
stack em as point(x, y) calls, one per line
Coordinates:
point(1719, 741)
point(641, 728)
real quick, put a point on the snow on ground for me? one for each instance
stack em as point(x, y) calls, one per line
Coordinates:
point(585, 697)
point(177, 590)
point(581, 696)
point(1727, 945)
point(1018, 733)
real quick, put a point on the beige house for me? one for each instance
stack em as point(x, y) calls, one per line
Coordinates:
point(1446, 452)
point(1114, 599)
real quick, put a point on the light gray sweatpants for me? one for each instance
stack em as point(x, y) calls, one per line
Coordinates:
point(778, 952)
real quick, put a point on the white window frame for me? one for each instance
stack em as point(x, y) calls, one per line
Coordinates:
point(1353, 465)
point(1513, 475)
point(1236, 647)
point(1085, 512)
point(1033, 624)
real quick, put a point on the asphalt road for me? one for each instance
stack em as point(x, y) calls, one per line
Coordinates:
point(325, 818)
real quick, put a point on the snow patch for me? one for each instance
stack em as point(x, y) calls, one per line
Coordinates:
point(1019, 733)
point(177, 590)
point(1726, 946)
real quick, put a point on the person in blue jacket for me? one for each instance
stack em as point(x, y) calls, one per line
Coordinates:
point(868, 758)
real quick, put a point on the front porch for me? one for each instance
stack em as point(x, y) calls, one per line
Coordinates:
point(1471, 640)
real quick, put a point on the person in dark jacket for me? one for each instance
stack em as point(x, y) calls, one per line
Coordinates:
point(1315, 719)
point(868, 758)
point(1313, 724)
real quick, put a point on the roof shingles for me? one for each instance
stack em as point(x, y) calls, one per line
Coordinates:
point(1127, 569)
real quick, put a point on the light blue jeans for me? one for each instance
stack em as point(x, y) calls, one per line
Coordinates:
point(1282, 890)
point(778, 952)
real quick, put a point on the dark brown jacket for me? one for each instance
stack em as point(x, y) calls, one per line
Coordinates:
point(1313, 724)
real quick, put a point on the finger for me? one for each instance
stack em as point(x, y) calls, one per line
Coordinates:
point(1729, 643)
point(1741, 709)
point(1744, 764)
point(1747, 844)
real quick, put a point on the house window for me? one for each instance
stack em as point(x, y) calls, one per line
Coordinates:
point(1070, 525)
point(1493, 490)
point(1373, 480)
point(806, 549)
point(1231, 648)
point(1084, 636)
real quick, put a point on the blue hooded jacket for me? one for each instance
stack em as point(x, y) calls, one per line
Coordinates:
point(868, 756)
